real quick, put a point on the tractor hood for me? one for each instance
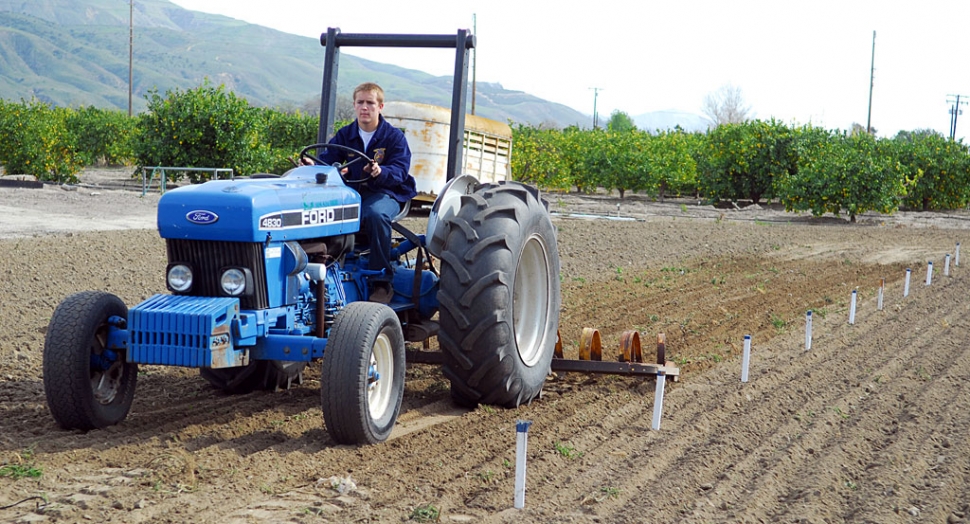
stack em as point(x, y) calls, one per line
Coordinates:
point(307, 202)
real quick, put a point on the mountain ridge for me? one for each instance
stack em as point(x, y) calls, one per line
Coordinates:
point(75, 53)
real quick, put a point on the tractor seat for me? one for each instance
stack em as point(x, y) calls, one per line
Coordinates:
point(405, 209)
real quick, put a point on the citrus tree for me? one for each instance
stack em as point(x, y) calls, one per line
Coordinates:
point(837, 173)
point(102, 135)
point(745, 158)
point(944, 169)
point(669, 165)
point(285, 134)
point(35, 140)
point(202, 127)
point(613, 160)
point(544, 157)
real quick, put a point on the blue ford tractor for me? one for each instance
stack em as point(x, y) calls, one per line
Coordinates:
point(267, 274)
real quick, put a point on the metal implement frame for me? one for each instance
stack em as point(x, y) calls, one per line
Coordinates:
point(590, 357)
point(161, 171)
point(462, 42)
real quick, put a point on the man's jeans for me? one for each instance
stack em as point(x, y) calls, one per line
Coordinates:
point(377, 211)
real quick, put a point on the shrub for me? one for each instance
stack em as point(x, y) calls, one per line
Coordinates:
point(34, 140)
point(203, 127)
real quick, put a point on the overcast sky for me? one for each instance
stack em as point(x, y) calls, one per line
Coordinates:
point(797, 61)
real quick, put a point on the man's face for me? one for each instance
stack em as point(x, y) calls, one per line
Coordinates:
point(367, 109)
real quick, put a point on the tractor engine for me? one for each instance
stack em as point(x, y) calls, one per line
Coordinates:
point(247, 258)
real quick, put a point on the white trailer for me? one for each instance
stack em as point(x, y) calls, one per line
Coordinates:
point(487, 146)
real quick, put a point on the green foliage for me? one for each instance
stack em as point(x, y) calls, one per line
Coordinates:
point(612, 160)
point(102, 136)
point(744, 159)
point(426, 513)
point(24, 468)
point(837, 172)
point(285, 134)
point(942, 167)
point(620, 122)
point(670, 166)
point(203, 127)
point(35, 140)
point(544, 157)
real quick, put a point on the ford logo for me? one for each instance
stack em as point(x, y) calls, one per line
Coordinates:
point(202, 217)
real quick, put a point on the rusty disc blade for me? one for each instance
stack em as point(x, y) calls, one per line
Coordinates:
point(590, 347)
point(630, 346)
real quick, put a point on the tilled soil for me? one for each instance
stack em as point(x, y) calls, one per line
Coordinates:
point(870, 425)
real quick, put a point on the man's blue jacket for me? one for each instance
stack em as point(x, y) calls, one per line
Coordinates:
point(387, 147)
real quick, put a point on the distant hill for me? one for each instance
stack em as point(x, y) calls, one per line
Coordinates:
point(670, 119)
point(75, 52)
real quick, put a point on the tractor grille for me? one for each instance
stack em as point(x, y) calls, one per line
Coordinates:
point(207, 257)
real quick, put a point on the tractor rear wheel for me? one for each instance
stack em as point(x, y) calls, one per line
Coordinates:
point(87, 384)
point(362, 378)
point(499, 296)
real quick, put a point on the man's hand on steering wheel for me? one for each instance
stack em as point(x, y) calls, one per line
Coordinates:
point(308, 159)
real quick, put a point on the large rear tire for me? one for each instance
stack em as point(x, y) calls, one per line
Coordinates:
point(499, 296)
point(362, 378)
point(87, 385)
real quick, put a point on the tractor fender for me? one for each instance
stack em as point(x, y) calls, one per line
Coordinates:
point(446, 206)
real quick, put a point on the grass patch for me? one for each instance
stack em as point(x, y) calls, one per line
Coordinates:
point(566, 450)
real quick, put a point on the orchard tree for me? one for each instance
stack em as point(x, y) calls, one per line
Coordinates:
point(670, 167)
point(839, 172)
point(944, 169)
point(36, 141)
point(104, 136)
point(743, 160)
point(544, 157)
point(726, 106)
point(620, 122)
point(203, 127)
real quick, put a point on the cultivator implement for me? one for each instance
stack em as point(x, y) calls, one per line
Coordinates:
point(629, 361)
point(630, 358)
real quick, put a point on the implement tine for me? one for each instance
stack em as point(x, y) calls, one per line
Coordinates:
point(590, 346)
point(630, 346)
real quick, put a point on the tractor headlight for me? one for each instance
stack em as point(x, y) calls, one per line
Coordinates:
point(235, 281)
point(179, 278)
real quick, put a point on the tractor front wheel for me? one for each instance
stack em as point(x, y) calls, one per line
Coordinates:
point(362, 378)
point(499, 296)
point(87, 384)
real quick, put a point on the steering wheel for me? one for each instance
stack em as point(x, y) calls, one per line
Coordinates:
point(305, 153)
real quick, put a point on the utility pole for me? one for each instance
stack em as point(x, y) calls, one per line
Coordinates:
point(474, 59)
point(872, 76)
point(955, 111)
point(131, 45)
point(596, 92)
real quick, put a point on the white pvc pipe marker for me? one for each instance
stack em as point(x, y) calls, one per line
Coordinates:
point(852, 307)
point(906, 283)
point(808, 330)
point(946, 265)
point(658, 400)
point(745, 358)
point(521, 447)
point(882, 287)
point(929, 272)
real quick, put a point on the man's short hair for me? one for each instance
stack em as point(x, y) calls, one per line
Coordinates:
point(370, 86)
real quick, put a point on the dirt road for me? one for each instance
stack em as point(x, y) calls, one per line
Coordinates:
point(870, 425)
